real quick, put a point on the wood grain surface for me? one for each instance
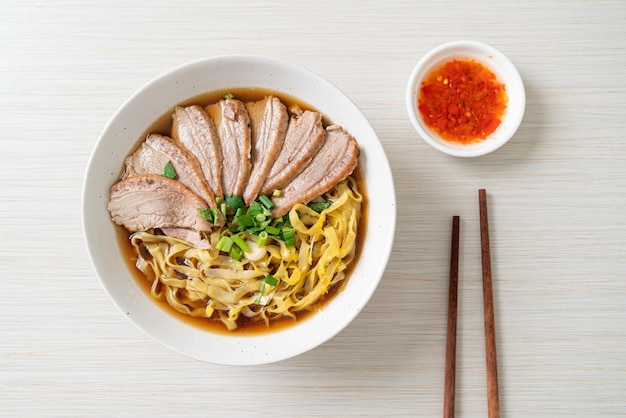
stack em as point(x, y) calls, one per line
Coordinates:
point(557, 222)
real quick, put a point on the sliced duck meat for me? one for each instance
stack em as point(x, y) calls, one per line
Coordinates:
point(192, 236)
point(335, 161)
point(305, 135)
point(146, 201)
point(196, 131)
point(233, 129)
point(155, 153)
point(268, 125)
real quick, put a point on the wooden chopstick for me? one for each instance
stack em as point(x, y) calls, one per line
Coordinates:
point(450, 377)
point(493, 405)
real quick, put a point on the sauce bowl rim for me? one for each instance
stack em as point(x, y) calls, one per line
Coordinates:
point(506, 73)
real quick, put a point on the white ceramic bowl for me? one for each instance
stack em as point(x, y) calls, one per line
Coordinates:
point(504, 70)
point(154, 100)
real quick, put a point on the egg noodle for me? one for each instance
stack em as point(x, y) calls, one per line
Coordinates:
point(211, 284)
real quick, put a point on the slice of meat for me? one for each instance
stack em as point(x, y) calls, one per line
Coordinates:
point(305, 135)
point(156, 151)
point(147, 201)
point(233, 129)
point(268, 126)
point(335, 161)
point(196, 131)
point(193, 237)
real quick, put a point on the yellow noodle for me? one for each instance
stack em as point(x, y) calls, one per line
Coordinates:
point(206, 283)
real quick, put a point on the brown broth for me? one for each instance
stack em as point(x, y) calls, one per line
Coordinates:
point(163, 126)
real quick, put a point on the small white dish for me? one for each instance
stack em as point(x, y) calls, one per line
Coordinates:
point(505, 72)
point(159, 97)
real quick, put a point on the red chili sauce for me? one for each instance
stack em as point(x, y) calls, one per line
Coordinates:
point(462, 101)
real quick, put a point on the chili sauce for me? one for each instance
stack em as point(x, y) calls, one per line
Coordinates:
point(462, 101)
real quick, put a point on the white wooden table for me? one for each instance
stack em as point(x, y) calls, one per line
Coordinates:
point(557, 200)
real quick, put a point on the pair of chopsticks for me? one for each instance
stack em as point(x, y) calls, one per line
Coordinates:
point(493, 405)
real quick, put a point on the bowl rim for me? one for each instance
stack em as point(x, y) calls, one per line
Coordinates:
point(216, 347)
point(495, 61)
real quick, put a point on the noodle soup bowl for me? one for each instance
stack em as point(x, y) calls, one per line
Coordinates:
point(505, 73)
point(122, 134)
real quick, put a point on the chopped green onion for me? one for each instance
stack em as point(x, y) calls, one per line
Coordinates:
point(259, 295)
point(272, 230)
point(262, 239)
point(277, 193)
point(271, 280)
point(224, 244)
point(236, 253)
point(266, 201)
point(208, 214)
point(258, 227)
point(245, 221)
point(255, 208)
point(229, 95)
point(168, 171)
point(320, 206)
point(234, 202)
point(268, 280)
point(255, 220)
point(241, 243)
point(289, 237)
